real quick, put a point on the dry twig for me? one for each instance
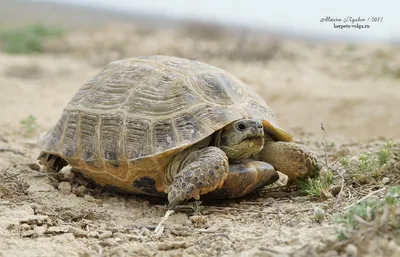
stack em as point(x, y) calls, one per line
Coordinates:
point(365, 197)
point(331, 167)
point(2, 150)
point(160, 228)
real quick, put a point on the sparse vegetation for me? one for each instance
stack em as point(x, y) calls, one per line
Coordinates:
point(391, 71)
point(30, 125)
point(197, 207)
point(368, 165)
point(367, 211)
point(318, 187)
point(27, 40)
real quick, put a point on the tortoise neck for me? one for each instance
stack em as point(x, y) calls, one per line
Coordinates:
point(268, 138)
point(216, 139)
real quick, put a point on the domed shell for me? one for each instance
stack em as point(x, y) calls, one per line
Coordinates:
point(137, 113)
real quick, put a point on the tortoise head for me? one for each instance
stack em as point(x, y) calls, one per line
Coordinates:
point(241, 139)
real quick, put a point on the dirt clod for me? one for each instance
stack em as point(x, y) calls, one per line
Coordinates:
point(78, 232)
point(351, 250)
point(65, 188)
point(105, 235)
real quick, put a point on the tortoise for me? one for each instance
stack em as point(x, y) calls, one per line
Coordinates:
point(169, 126)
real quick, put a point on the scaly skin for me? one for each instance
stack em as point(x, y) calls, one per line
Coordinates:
point(204, 168)
point(205, 172)
point(294, 160)
point(240, 159)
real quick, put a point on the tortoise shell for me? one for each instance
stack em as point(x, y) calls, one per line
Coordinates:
point(123, 127)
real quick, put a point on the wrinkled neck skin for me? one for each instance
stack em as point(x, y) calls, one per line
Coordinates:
point(240, 145)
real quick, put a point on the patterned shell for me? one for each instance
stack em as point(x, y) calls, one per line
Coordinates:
point(137, 113)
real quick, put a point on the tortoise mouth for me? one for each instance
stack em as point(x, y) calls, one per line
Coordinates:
point(255, 137)
point(244, 149)
point(252, 141)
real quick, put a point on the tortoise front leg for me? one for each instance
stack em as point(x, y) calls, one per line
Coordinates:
point(294, 160)
point(244, 178)
point(202, 171)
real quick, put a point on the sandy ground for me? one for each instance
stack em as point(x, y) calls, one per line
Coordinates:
point(354, 90)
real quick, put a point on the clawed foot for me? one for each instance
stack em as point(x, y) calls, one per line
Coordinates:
point(199, 177)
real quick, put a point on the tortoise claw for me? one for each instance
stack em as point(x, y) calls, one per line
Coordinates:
point(173, 203)
point(179, 192)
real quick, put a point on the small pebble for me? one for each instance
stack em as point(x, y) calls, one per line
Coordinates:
point(145, 231)
point(93, 234)
point(385, 180)
point(80, 191)
point(39, 230)
point(65, 187)
point(171, 245)
point(113, 229)
point(33, 166)
point(109, 242)
point(195, 218)
point(319, 214)
point(25, 226)
point(33, 206)
point(57, 230)
point(392, 246)
point(283, 179)
point(91, 198)
point(118, 235)
point(67, 174)
point(335, 190)
point(198, 220)
point(96, 247)
point(77, 232)
point(351, 250)
point(27, 233)
point(177, 218)
point(106, 234)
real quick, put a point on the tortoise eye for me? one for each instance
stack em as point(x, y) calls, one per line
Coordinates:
point(240, 126)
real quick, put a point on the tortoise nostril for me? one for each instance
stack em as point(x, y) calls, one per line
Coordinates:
point(241, 127)
point(259, 125)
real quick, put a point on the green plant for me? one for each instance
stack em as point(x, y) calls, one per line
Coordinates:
point(28, 39)
point(196, 207)
point(367, 211)
point(393, 196)
point(385, 154)
point(367, 165)
point(30, 124)
point(317, 187)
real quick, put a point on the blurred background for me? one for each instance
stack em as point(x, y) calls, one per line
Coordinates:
point(290, 52)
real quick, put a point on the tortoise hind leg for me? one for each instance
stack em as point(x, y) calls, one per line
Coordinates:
point(244, 178)
point(52, 161)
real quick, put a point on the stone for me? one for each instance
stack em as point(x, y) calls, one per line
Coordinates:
point(65, 188)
